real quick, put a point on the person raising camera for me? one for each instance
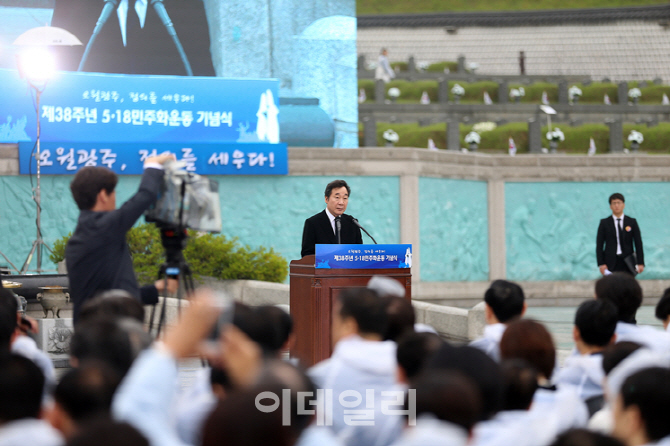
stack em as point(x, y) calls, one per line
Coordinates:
point(97, 255)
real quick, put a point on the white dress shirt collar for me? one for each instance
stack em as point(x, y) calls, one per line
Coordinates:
point(331, 217)
point(122, 13)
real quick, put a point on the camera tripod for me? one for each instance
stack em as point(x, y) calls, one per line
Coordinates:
point(175, 266)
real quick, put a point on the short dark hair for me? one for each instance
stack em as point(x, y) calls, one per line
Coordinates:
point(118, 303)
point(8, 309)
point(281, 323)
point(21, 387)
point(663, 306)
point(86, 392)
point(531, 341)
point(415, 349)
point(401, 317)
point(336, 185)
point(617, 196)
point(107, 432)
point(267, 326)
point(649, 390)
point(623, 291)
point(585, 437)
point(367, 309)
point(449, 396)
point(615, 353)
point(519, 384)
point(506, 300)
point(596, 321)
point(88, 182)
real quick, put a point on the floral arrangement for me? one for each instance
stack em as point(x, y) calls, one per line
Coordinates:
point(517, 93)
point(473, 66)
point(574, 92)
point(390, 136)
point(422, 66)
point(635, 136)
point(482, 127)
point(457, 90)
point(473, 138)
point(556, 135)
point(394, 92)
point(634, 93)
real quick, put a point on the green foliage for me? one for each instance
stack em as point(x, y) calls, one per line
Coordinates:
point(440, 66)
point(656, 139)
point(400, 66)
point(58, 249)
point(416, 6)
point(207, 254)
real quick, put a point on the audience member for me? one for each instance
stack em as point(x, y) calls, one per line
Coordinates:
point(626, 294)
point(595, 322)
point(663, 309)
point(413, 352)
point(21, 387)
point(400, 318)
point(504, 302)
point(106, 432)
point(642, 408)
point(361, 362)
point(112, 303)
point(583, 437)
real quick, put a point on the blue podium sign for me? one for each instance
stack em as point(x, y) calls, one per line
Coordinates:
point(363, 256)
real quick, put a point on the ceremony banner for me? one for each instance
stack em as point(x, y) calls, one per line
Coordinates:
point(363, 256)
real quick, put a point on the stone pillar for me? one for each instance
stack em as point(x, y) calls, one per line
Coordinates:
point(361, 63)
point(369, 132)
point(453, 135)
point(563, 92)
point(461, 65)
point(497, 242)
point(534, 136)
point(409, 220)
point(503, 92)
point(380, 91)
point(442, 91)
point(622, 93)
point(411, 65)
point(616, 135)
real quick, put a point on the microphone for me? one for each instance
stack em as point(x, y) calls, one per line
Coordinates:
point(338, 229)
point(363, 229)
point(159, 7)
point(110, 6)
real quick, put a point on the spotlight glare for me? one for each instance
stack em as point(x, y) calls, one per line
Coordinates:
point(37, 64)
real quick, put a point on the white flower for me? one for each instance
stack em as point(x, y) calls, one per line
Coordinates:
point(390, 136)
point(422, 66)
point(473, 138)
point(634, 93)
point(635, 136)
point(517, 92)
point(457, 90)
point(574, 92)
point(556, 135)
point(394, 92)
point(473, 66)
point(482, 127)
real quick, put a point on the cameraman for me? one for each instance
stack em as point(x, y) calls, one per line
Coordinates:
point(97, 254)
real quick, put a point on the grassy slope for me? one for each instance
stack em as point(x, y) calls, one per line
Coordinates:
point(417, 6)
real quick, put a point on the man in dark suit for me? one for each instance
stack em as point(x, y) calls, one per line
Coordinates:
point(617, 235)
point(134, 39)
point(323, 227)
point(97, 254)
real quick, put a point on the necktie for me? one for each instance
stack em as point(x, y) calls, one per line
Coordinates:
point(619, 234)
point(338, 228)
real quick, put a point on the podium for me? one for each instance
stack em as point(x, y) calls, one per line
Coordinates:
point(312, 293)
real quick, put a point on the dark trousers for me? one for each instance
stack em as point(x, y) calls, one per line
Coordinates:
point(620, 266)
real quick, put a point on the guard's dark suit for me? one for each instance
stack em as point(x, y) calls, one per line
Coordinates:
point(606, 242)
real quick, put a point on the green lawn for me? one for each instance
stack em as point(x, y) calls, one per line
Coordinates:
point(416, 6)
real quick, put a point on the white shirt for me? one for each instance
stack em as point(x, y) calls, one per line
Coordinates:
point(620, 227)
point(331, 217)
point(122, 13)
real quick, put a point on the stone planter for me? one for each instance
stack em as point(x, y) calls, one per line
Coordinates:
point(634, 146)
point(553, 145)
point(473, 147)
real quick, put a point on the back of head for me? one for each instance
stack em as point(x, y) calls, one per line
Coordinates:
point(623, 291)
point(8, 309)
point(649, 390)
point(596, 321)
point(476, 365)
point(615, 353)
point(366, 308)
point(663, 306)
point(448, 396)
point(88, 182)
point(106, 432)
point(262, 325)
point(529, 340)
point(21, 385)
point(506, 300)
point(249, 417)
point(86, 392)
point(112, 303)
point(111, 340)
point(584, 437)
point(401, 317)
point(281, 323)
point(519, 384)
point(415, 350)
